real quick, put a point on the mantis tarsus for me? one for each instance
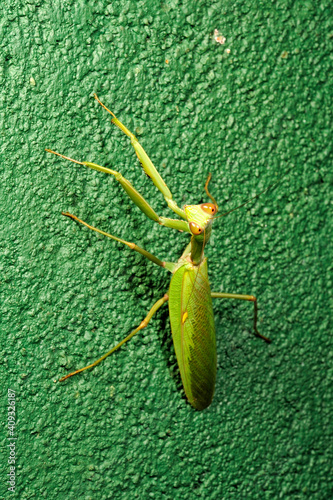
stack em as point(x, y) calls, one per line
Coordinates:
point(189, 295)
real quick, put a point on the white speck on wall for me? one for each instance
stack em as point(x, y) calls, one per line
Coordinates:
point(218, 37)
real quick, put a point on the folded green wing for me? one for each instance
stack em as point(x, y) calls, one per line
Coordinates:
point(193, 332)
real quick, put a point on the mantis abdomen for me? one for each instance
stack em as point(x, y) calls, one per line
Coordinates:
point(193, 332)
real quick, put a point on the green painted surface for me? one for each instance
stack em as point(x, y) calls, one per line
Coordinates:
point(247, 116)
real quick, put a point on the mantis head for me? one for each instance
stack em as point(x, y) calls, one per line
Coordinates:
point(200, 218)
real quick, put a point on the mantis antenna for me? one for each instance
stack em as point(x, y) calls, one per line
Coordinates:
point(248, 201)
point(208, 193)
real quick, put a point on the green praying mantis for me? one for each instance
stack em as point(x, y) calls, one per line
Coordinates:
point(189, 295)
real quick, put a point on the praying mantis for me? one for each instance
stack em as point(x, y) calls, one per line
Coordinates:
point(189, 296)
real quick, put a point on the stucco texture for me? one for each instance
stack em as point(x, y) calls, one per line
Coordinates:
point(250, 110)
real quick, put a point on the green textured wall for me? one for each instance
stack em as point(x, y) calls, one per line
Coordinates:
point(247, 111)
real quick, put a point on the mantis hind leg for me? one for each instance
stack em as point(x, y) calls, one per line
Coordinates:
point(142, 325)
point(250, 298)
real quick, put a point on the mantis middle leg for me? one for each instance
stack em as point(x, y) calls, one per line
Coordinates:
point(250, 298)
point(133, 246)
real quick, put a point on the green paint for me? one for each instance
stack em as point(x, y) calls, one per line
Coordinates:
point(67, 294)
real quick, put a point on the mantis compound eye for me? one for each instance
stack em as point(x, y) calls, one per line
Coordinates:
point(209, 208)
point(195, 228)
